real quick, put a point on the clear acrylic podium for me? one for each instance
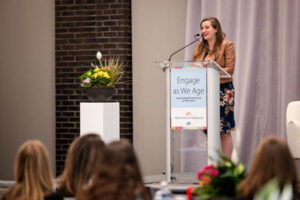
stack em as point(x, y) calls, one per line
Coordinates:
point(213, 74)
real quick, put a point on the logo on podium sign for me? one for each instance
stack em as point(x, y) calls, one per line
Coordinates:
point(188, 98)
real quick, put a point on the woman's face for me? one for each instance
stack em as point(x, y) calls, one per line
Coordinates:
point(208, 30)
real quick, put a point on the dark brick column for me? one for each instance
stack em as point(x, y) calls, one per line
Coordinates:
point(82, 27)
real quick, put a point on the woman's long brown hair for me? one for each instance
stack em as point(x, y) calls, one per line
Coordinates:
point(272, 159)
point(84, 154)
point(220, 35)
point(119, 177)
point(33, 176)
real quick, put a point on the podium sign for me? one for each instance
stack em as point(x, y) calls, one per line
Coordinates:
point(188, 97)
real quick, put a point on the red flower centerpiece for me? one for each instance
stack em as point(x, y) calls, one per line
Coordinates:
point(219, 180)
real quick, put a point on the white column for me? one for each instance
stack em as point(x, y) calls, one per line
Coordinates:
point(168, 125)
point(213, 115)
point(102, 119)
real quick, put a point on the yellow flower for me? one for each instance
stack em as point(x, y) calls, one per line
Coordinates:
point(102, 74)
point(96, 75)
point(96, 70)
point(106, 75)
point(88, 73)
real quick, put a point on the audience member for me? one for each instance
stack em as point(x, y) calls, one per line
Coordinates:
point(272, 159)
point(118, 178)
point(33, 177)
point(84, 154)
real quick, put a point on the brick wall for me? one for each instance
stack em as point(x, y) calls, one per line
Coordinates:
point(82, 27)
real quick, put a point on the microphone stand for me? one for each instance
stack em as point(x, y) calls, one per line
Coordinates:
point(197, 39)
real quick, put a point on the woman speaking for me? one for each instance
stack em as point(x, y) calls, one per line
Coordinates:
point(214, 47)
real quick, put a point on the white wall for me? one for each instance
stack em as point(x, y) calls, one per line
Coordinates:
point(27, 78)
point(158, 29)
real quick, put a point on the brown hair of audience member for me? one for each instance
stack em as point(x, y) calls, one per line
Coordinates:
point(84, 154)
point(272, 159)
point(33, 177)
point(119, 177)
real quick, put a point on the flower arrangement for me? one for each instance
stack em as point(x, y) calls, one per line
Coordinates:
point(105, 74)
point(219, 179)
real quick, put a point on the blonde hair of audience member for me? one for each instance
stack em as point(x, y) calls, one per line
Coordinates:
point(84, 154)
point(119, 177)
point(272, 159)
point(33, 177)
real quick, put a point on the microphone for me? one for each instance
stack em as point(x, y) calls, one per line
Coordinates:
point(197, 39)
point(197, 35)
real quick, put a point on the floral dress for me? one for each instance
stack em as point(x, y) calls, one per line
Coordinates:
point(227, 122)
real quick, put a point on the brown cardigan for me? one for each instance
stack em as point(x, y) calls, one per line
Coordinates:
point(225, 57)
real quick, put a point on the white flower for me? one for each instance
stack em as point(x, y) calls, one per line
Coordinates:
point(99, 55)
point(235, 156)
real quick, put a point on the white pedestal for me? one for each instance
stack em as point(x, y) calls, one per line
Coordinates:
point(102, 119)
